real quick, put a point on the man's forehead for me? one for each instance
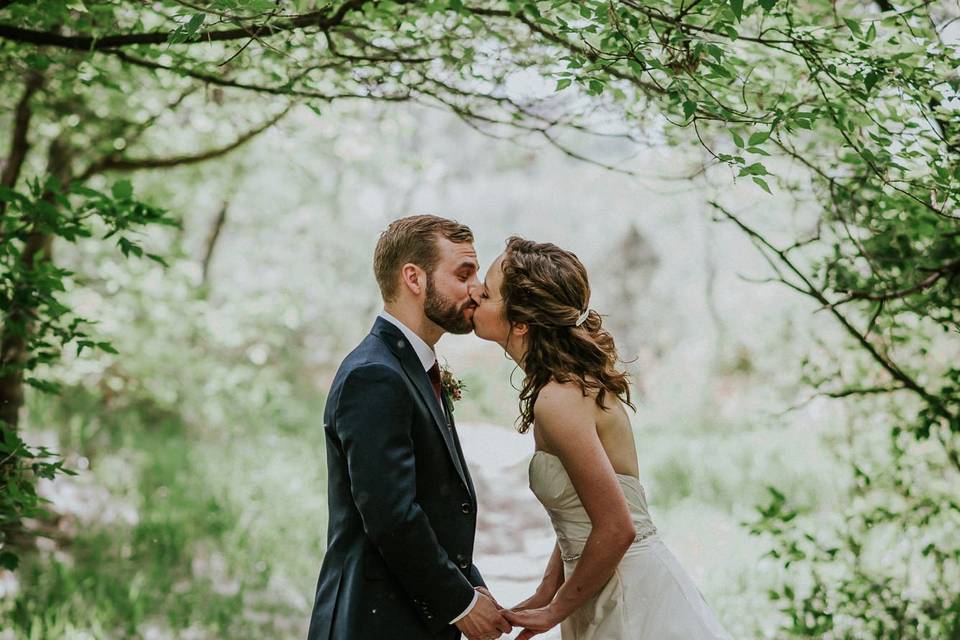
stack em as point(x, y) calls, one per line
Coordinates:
point(466, 251)
point(461, 252)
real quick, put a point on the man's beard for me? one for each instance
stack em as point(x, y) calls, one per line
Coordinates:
point(445, 314)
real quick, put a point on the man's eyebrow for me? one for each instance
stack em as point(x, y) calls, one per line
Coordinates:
point(467, 264)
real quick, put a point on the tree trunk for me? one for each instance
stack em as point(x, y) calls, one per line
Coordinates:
point(212, 238)
point(17, 325)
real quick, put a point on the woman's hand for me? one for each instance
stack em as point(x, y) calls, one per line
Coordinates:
point(533, 621)
point(541, 598)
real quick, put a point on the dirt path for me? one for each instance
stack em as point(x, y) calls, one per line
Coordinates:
point(514, 537)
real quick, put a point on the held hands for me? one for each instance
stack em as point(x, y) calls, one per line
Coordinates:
point(534, 614)
point(485, 621)
point(533, 621)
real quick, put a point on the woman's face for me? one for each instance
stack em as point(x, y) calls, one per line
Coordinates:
point(489, 318)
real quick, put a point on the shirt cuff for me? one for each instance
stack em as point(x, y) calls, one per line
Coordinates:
point(476, 596)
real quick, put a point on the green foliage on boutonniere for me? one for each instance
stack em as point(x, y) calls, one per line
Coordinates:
point(452, 386)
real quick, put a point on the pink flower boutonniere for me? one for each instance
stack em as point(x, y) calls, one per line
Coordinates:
point(451, 385)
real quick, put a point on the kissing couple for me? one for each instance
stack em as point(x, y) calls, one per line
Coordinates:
point(402, 505)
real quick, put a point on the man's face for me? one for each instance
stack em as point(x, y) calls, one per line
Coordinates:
point(448, 303)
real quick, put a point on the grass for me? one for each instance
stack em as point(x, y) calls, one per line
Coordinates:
point(217, 531)
point(226, 538)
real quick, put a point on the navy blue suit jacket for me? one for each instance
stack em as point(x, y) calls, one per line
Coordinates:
point(402, 506)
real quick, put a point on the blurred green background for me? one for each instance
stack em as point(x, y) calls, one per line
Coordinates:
point(200, 507)
point(764, 194)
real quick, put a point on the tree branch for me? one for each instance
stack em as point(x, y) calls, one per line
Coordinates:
point(212, 238)
point(19, 142)
point(113, 163)
point(818, 295)
point(86, 42)
point(280, 90)
point(929, 281)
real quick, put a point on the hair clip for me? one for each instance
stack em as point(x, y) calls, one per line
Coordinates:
point(582, 318)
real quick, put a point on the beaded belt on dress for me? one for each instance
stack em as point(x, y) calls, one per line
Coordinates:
point(640, 537)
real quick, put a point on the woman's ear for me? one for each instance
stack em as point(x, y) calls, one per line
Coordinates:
point(520, 328)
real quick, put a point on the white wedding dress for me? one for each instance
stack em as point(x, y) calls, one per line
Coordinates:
point(650, 596)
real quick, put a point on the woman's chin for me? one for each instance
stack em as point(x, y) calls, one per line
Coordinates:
point(478, 331)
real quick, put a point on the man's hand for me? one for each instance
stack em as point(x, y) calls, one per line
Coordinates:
point(486, 592)
point(484, 622)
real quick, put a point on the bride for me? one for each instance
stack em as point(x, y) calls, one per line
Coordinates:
point(609, 577)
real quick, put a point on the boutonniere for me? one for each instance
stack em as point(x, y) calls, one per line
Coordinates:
point(451, 385)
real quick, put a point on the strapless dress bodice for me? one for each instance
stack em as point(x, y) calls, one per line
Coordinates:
point(551, 484)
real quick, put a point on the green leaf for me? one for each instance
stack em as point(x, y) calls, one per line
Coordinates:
point(689, 108)
point(563, 83)
point(758, 138)
point(9, 560)
point(763, 184)
point(122, 190)
point(196, 20)
point(737, 140)
point(45, 386)
point(37, 61)
point(737, 7)
point(755, 169)
point(767, 4)
point(106, 346)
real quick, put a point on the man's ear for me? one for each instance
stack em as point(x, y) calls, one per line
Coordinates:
point(413, 278)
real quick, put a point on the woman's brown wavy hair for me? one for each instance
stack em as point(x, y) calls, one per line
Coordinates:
point(546, 287)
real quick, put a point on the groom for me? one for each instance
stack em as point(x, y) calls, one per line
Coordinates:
point(403, 510)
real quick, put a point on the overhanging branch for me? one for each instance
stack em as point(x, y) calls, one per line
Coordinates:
point(818, 295)
point(318, 19)
point(114, 163)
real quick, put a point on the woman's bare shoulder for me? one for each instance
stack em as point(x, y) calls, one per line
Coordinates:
point(562, 405)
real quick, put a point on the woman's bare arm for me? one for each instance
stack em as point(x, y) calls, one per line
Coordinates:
point(565, 422)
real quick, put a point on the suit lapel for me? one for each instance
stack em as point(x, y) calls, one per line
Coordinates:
point(448, 404)
point(413, 368)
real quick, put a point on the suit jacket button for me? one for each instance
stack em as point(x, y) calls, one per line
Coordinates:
point(466, 508)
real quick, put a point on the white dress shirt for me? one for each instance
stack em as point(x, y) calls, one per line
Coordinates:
point(427, 357)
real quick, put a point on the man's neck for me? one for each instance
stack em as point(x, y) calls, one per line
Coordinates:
point(414, 319)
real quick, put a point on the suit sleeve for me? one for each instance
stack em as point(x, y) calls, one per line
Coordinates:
point(373, 421)
point(475, 578)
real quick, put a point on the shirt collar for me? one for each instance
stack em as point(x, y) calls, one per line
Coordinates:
point(424, 352)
